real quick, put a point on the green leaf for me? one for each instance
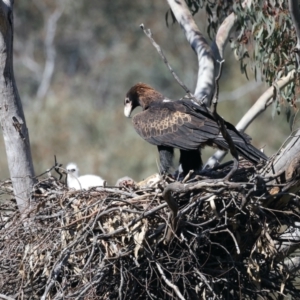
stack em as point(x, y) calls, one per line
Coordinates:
point(279, 73)
point(261, 30)
point(270, 27)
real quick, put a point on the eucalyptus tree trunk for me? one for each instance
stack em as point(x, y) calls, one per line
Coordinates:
point(12, 118)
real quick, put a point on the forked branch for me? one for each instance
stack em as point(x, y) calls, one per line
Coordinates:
point(205, 82)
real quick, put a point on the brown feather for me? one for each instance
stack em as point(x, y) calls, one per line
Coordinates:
point(144, 94)
point(182, 124)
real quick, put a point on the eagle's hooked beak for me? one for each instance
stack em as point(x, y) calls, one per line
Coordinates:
point(127, 107)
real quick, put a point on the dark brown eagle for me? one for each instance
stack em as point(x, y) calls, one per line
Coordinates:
point(181, 124)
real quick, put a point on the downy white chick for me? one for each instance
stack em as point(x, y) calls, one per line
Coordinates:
point(85, 182)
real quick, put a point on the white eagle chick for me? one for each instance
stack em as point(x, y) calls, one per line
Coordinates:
point(85, 182)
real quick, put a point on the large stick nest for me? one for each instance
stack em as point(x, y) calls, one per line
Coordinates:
point(206, 239)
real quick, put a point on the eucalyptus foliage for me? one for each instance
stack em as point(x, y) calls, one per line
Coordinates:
point(267, 39)
point(263, 39)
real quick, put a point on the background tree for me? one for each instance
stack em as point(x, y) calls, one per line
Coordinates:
point(13, 123)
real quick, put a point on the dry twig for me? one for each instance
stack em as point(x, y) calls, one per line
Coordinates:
point(121, 243)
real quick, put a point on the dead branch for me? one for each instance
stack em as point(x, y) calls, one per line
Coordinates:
point(161, 53)
point(106, 242)
point(5, 297)
point(173, 215)
point(56, 272)
point(222, 127)
point(169, 283)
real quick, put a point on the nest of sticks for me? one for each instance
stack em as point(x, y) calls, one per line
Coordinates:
point(159, 239)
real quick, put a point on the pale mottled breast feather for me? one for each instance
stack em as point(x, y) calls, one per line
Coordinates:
point(158, 122)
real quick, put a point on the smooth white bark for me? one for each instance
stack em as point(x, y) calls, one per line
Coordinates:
point(205, 82)
point(12, 118)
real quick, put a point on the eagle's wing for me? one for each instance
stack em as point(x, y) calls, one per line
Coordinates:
point(172, 124)
point(241, 140)
point(188, 126)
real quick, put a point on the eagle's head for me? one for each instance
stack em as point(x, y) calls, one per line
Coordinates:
point(142, 95)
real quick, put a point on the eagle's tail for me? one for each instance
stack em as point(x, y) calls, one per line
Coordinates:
point(249, 152)
point(242, 144)
point(244, 149)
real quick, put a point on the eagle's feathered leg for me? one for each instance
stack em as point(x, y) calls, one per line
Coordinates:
point(165, 158)
point(190, 160)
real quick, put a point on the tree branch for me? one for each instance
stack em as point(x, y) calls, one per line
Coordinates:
point(222, 127)
point(55, 272)
point(168, 282)
point(173, 214)
point(292, 264)
point(286, 155)
point(159, 50)
point(265, 100)
point(223, 34)
point(25, 56)
point(6, 297)
point(205, 82)
point(289, 241)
